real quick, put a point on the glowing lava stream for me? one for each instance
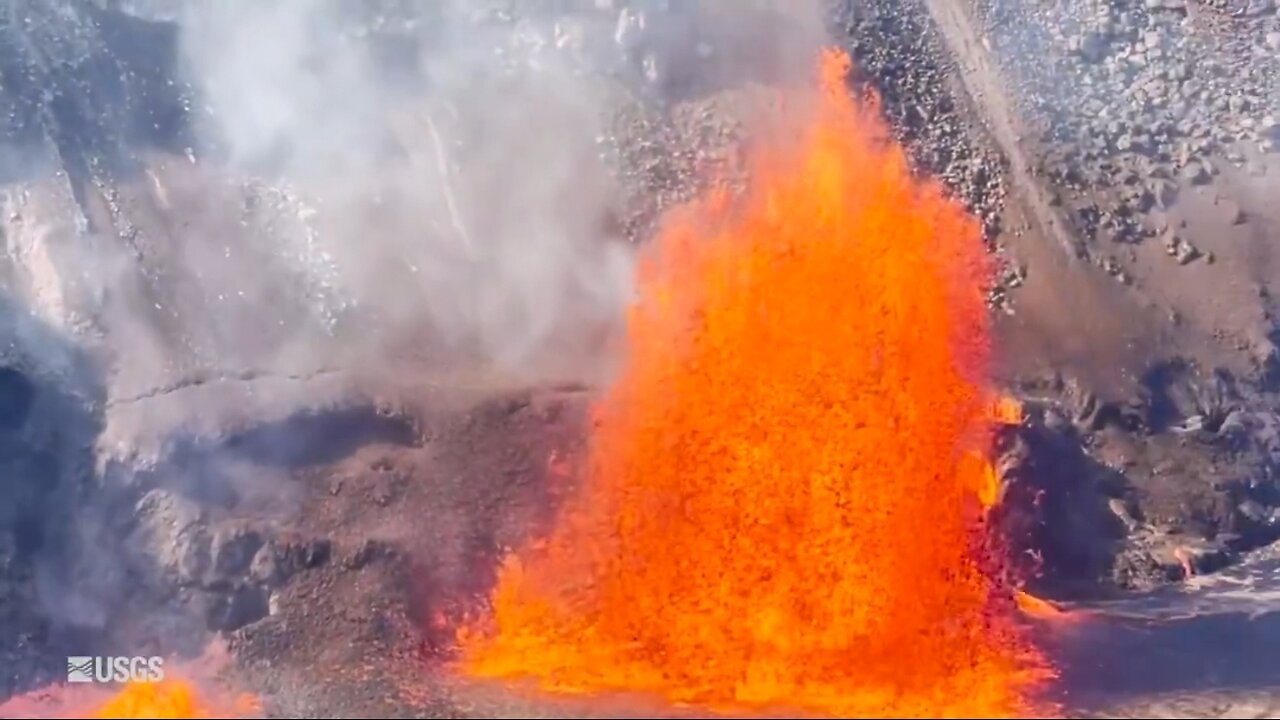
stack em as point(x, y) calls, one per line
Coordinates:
point(784, 493)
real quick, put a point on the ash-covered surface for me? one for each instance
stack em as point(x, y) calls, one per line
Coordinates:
point(275, 293)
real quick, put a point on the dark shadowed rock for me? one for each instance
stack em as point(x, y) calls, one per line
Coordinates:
point(17, 393)
point(238, 607)
point(1055, 508)
point(1093, 46)
point(279, 559)
point(232, 551)
point(371, 551)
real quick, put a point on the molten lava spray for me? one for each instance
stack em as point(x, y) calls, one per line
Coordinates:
point(165, 699)
point(171, 698)
point(785, 485)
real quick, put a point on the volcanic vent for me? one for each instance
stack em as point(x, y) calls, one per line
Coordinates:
point(783, 498)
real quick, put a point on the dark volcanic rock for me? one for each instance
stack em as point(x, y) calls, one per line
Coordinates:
point(1135, 496)
point(48, 418)
point(1057, 507)
point(16, 395)
point(279, 559)
point(232, 610)
point(232, 552)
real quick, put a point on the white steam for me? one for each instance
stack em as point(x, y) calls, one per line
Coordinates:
point(459, 192)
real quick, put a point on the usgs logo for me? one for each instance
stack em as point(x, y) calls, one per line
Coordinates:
point(87, 668)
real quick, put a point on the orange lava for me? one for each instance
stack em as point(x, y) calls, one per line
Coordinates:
point(171, 698)
point(1007, 411)
point(786, 483)
point(164, 699)
point(1041, 609)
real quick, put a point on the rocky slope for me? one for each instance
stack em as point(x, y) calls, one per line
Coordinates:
point(1130, 348)
point(1151, 127)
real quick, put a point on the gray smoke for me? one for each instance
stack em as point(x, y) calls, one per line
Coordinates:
point(457, 159)
point(218, 216)
point(456, 191)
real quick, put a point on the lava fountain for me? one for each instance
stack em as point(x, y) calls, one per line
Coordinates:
point(165, 699)
point(783, 498)
point(171, 698)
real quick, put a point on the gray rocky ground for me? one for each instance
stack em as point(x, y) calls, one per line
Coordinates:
point(229, 404)
point(1151, 126)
